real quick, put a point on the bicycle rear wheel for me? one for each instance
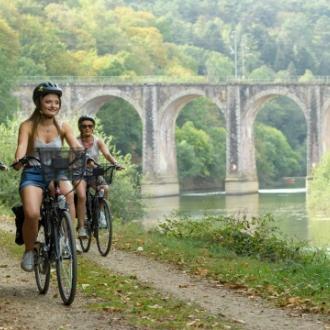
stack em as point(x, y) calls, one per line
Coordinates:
point(66, 261)
point(42, 268)
point(104, 228)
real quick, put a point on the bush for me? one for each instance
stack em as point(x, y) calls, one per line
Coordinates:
point(319, 192)
point(8, 180)
point(246, 237)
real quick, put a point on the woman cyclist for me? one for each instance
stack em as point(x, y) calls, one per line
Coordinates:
point(40, 130)
point(94, 146)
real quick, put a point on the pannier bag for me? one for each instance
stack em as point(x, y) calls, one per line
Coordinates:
point(19, 219)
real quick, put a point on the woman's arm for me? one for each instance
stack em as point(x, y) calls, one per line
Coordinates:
point(22, 142)
point(105, 152)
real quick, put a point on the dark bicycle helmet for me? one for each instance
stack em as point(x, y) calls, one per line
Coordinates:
point(45, 88)
point(86, 117)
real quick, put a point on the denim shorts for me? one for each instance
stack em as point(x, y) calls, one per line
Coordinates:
point(32, 176)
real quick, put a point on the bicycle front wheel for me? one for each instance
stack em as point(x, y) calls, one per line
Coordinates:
point(104, 228)
point(66, 261)
point(42, 268)
point(85, 243)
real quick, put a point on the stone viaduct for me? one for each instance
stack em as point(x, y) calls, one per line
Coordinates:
point(158, 105)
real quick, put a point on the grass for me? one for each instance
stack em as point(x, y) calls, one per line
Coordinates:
point(265, 265)
point(137, 304)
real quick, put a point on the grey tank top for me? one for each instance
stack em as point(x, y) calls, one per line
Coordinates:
point(49, 148)
point(93, 151)
point(56, 143)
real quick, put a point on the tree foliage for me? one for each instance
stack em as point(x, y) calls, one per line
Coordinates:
point(276, 39)
point(275, 157)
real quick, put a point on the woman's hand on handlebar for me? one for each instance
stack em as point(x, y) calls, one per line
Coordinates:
point(118, 166)
point(17, 164)
point(22, 162)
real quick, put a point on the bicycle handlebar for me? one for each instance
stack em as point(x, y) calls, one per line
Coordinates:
point(25, 160)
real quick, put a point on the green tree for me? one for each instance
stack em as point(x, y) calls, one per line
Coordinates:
point(275, 158)
point(194, 152)
point(218, 67)
point(121, 121)
point(9, 51)
point(262, 73)
point(285, 115)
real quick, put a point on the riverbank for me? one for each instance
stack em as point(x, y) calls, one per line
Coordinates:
point(285, 274)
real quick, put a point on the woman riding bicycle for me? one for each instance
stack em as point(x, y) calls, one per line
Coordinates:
point(40, 130)
point(94, 146)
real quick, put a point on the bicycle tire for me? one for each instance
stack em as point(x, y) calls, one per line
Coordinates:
point(85, 243)
point(66, 261)
point(42, 269)
point(104, 232)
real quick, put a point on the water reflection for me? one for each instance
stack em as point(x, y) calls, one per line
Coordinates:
point(288, 208)
point(157, 209)
point(243, 205)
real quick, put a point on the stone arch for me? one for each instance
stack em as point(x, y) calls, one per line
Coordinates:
point(167, 118)
point(93, 101)
point(183, 98)
point(255, 103)
point(250, 111)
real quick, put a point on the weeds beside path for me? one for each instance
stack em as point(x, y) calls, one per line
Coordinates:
point(251, 313)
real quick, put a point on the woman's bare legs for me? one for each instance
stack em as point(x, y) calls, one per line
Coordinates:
point(81, 202)
point(31, 198)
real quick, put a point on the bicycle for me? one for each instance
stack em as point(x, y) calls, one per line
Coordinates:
point(95, 204)
point(56, 244)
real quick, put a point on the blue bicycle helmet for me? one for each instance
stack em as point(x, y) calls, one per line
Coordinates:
point(86, 117)
point(45, 88)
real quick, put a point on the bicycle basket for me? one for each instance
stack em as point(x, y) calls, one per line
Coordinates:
point(61, 164)
point(100, 175)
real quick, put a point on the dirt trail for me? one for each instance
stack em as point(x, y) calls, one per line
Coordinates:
point(22, 308)
point(19, 300)
point(252, 314)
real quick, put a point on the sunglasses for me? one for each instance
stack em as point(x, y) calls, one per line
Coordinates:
point(87, 126)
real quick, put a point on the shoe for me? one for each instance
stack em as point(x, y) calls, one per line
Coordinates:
point(102, 220)
point(27, 263)
point(41, 235)
point(78, 247)
point(82, 233)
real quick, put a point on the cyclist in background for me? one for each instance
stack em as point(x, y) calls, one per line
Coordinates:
point(40, 130)
point(94, 146)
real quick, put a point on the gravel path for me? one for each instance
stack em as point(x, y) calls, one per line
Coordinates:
point(22, 308)
point(252, 314)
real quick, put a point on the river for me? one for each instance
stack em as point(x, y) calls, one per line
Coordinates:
point(288, 207)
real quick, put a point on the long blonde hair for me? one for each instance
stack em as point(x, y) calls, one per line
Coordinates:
point(35, 118)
